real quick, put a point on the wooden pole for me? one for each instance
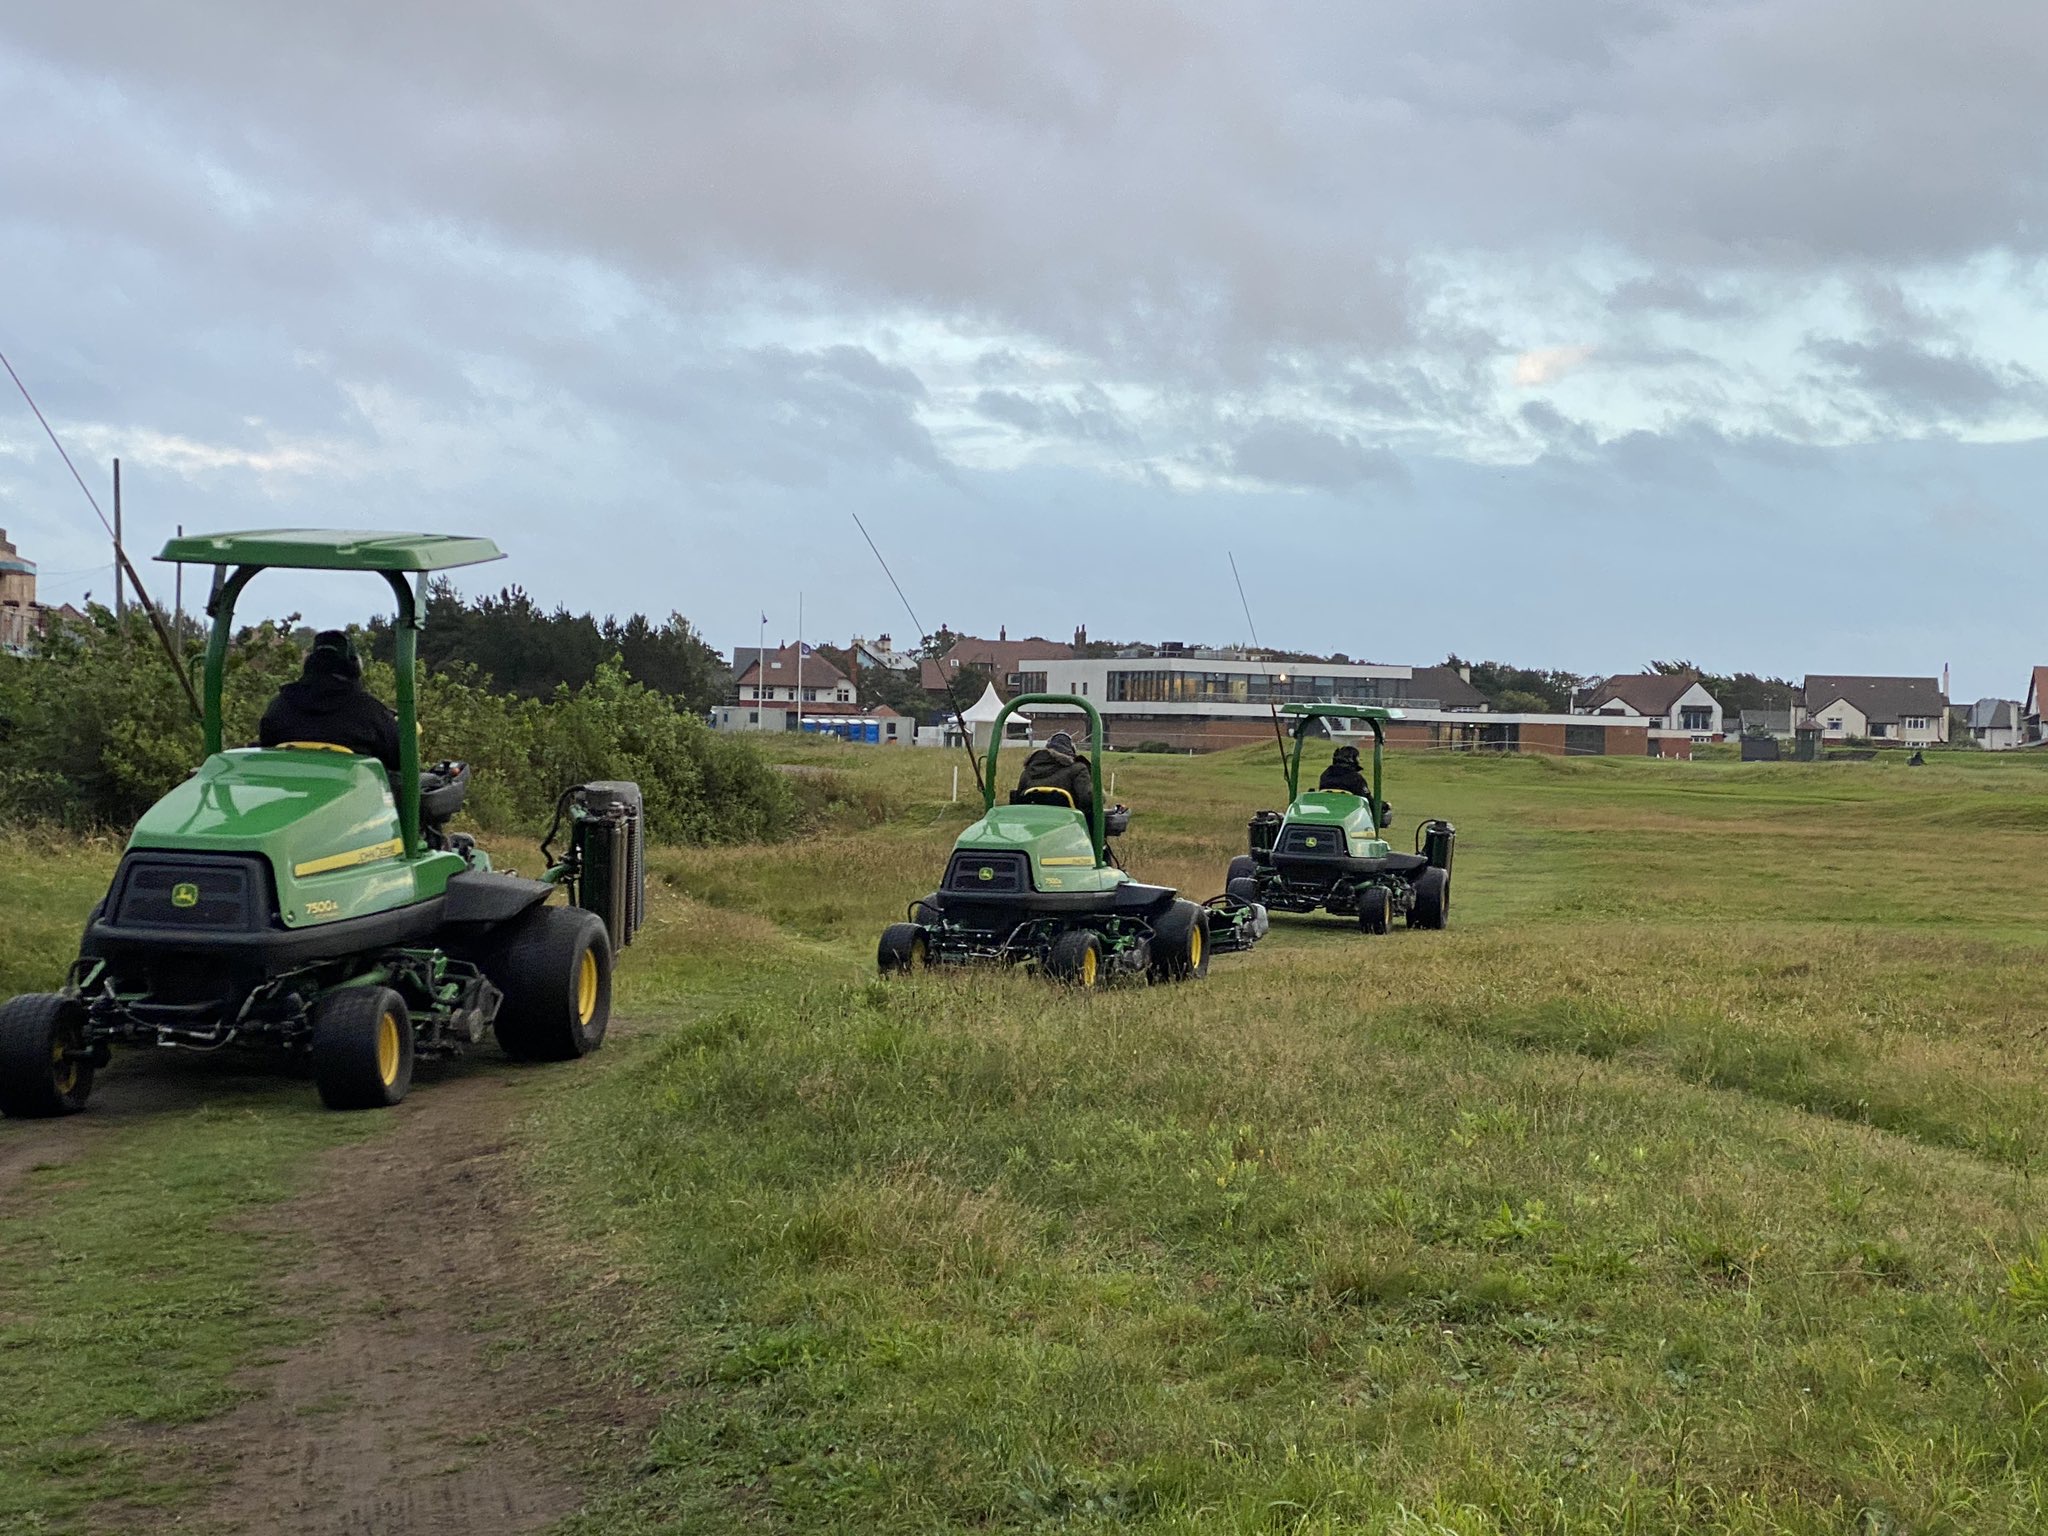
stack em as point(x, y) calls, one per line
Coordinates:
point(120, 590)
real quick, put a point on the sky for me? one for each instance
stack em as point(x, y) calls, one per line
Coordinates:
point(1577, 334)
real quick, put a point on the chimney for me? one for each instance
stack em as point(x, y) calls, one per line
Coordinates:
point(1080, 636)
point(1465, 672)
point(1002, 633)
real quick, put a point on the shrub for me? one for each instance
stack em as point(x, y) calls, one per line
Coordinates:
point(95, 728)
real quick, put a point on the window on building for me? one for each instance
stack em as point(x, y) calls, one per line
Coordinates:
point(1028, 682)
point(811, 695)
point(1695, 718)
point(1918, 723)
point(753, 717)
point(1880, 728)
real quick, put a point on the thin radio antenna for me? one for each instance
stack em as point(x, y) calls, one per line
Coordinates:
point(1279, 738)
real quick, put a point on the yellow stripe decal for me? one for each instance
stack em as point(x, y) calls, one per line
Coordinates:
point(1081, 858)
point(369, 855)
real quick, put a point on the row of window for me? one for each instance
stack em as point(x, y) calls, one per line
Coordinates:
point(1151, 687)
point(811, 695)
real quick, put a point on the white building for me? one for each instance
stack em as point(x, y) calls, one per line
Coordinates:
point(1663, 702)
point(1907, 711)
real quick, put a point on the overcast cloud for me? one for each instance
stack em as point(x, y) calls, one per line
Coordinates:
point(1612, 329)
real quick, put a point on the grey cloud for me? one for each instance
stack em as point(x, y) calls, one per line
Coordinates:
point(1906, 379)
point(1087, 415)
point(1295, 454)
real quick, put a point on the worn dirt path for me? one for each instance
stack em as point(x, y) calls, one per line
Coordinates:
point(415, 1410)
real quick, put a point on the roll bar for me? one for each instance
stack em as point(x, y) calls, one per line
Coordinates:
point(1370, 714)
point(412, 616)
point(995, 746)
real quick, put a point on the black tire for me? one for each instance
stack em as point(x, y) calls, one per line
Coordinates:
point(1432, 907)
point(555, 969)
point(1243, 867)
point(362, 1048)
point(1373, 910)
point(44, 1068)
point(1180, 943)
point(1244, 888)
point(904, 947)
point(1076, 959)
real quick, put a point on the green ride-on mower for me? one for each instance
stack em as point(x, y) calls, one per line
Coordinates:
point(301, 899)
point(1325, 852)
point(1036, 881)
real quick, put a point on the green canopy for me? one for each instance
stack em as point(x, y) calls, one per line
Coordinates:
point(331, 549)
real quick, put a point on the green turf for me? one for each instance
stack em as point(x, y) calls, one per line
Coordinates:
point(1686, 1184)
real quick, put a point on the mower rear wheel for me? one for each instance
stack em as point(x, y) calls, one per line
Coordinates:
point(362, 1048)
point(1432, 907)
point(904, 947)
point(44, 1068)
point(1243, 867)
point(1243, 888)
point(1076, 959)
point(555, 969)
point(1180, 943)
point(1373, 910)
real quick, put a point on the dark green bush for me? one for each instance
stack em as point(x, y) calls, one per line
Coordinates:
point(95, 728)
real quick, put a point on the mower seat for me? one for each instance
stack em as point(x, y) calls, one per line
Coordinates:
point(443, 788)
point(1044, 794)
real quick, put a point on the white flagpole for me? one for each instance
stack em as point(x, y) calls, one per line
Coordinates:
point(761, 676)
point(799, 666)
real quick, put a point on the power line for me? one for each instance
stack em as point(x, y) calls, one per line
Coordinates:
point(121, 559)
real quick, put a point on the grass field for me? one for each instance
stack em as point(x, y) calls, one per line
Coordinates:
point(1684, 1184)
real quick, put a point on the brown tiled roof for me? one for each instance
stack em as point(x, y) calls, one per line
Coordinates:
point(2037, 691)
point(1647, 693)
point(1880, 700)
point(818, 672)
point(999, 658)
point(1445, 686)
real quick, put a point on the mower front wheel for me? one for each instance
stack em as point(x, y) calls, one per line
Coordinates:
point(1374, 912)
point(1243, 867)
point(1432, 907)
point(362, 1048)
point(1180, 943)
point(1076, 959)
point(904, 947)
point(555, 969)
point(1244, 888)
point(44, 1067)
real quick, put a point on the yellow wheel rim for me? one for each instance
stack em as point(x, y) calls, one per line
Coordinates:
point(918, 947)
point(387, 1048)
point(1194, 949)
point(586, 987)
point(1088, 964)
point(63, 1070)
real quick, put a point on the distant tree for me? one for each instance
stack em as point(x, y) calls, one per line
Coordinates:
point(1495, 680)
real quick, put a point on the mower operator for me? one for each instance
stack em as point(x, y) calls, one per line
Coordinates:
point(1344, 773)
point(329, 704)
point(1059, 765)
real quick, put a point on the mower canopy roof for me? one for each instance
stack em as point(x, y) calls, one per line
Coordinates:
point(1340, 712)
point(332, 549)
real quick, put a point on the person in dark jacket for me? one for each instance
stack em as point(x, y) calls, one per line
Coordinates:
point(1344, 773)
point(1059, 765)
point(329, 704)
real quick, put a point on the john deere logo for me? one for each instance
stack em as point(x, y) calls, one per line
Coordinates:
point(988, 872)
point(185, 894)
point(1309, 842)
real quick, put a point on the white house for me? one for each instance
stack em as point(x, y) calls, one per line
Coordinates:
point(1995, 724)
point(1664, 702)
point(1911, 711)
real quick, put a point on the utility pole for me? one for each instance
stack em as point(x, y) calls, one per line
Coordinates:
point(178, 592)
point(120, 590)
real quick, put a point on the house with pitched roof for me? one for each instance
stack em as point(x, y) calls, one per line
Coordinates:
point(1003, 659)
point(1906, 711)
point(2034, 713)
point(1675, 702)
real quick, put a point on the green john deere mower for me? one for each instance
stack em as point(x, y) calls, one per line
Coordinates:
point(301, 899)
point(1035, 881)
point(1325, 852)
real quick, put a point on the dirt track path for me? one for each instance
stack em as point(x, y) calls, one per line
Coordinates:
point(413, 1412)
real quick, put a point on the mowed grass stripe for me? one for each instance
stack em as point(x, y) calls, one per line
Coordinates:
point(1589, 1215)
